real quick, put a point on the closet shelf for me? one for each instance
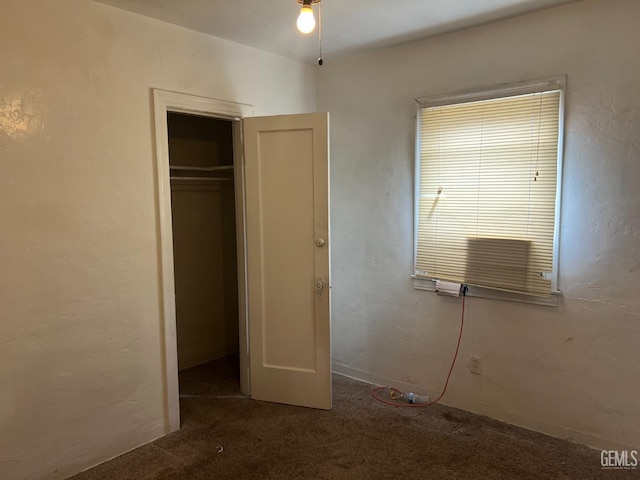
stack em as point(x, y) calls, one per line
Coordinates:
point(202, 169)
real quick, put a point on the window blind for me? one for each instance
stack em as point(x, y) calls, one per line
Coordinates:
point(487, 192)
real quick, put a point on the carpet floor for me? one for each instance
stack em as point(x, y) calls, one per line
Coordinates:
point(225, 436)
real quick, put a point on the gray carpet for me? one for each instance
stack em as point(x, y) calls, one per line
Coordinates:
point(236, 438)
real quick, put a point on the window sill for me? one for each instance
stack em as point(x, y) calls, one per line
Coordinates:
point(429, 285)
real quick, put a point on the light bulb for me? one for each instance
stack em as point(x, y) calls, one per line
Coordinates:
point(306, 23)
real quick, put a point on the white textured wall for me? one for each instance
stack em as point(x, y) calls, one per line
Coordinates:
point(571, 371)
point(81, 376)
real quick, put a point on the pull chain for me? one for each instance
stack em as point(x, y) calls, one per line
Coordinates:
point(320, 61)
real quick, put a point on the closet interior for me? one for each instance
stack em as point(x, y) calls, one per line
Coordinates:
point(205, 253)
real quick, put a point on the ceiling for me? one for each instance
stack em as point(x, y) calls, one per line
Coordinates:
point(349, 26)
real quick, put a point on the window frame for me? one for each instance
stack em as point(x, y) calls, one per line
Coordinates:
point(422, 282)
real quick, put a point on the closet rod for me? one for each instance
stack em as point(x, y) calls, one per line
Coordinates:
point(207, 179)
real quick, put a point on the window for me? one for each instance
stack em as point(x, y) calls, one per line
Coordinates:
point(487, 188)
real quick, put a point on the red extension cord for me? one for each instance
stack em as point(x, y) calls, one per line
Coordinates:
point(417, 405)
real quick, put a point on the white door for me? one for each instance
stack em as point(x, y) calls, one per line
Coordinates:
point(287, 228)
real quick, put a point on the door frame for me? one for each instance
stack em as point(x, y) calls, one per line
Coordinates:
point(164, 102)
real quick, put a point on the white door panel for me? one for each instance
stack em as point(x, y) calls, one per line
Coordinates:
point(287, 202)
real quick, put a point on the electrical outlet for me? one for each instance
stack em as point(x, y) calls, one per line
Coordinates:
point(475, 365)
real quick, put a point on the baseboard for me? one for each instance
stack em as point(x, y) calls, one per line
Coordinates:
point(213, 355)
point(557, 431)
point(373, 379)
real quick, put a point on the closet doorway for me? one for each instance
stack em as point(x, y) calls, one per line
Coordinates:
point(282, 248)
point(201, 164)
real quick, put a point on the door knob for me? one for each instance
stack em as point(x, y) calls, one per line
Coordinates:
point(319, 287)
point(320, 242)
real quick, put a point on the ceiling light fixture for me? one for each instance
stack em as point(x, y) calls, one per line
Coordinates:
point(306, 21)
